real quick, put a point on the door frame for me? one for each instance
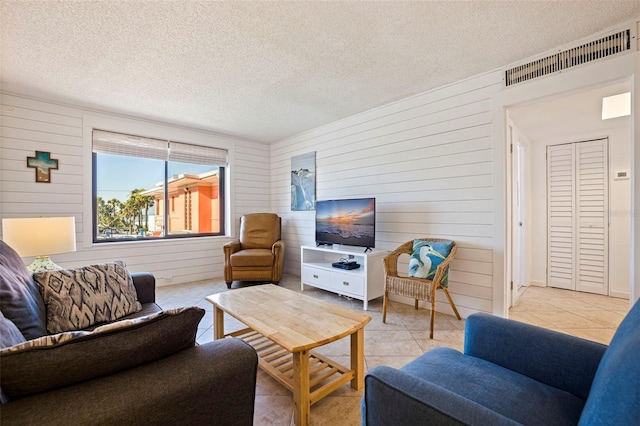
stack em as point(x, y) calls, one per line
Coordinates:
point(518, 151)
point(625, 67)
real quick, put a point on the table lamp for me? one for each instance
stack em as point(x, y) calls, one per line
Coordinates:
point(40, 237)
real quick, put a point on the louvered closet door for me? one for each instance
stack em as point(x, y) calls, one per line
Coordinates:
point(560, 222)
point(592, 219)
point(577, 204)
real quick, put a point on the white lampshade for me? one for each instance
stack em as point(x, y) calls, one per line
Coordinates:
point(40, 236)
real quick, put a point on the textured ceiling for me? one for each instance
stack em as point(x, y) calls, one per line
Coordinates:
point(269, 70)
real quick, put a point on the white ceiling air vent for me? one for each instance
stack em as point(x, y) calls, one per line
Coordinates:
point(606, 46)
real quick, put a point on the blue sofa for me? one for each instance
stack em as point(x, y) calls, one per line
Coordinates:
point(513, 373)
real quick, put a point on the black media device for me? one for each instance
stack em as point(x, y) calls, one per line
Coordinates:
point(346, 265)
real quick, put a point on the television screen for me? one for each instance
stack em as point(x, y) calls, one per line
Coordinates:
point(350, 222)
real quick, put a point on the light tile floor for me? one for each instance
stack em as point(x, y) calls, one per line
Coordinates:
point(585, 315)
point(404, 337)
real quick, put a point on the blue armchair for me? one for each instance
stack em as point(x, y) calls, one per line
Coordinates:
point(513, 373)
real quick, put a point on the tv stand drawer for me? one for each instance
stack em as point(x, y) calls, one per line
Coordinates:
point(336, 281)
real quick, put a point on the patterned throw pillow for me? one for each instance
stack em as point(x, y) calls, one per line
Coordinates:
point(426, 257)
point(79, 298)
point(62, 359)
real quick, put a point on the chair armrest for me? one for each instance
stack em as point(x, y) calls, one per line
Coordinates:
point(278, 248)
point(390, 261)
point(145, 284)
point(230, 248)
point(393, 397)
point(278, 253)
point(209, 384)
point(556, 359)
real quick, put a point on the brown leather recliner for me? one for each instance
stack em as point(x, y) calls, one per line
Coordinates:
point(259, 253)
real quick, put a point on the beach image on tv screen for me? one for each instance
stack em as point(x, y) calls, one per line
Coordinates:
point(349, 222)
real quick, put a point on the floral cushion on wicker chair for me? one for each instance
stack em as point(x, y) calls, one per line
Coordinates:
point(426, 257)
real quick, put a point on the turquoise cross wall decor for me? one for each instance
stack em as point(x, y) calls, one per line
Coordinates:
point(43, 163)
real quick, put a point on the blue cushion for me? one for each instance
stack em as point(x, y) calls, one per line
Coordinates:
point(554, 358)
point(426, 257)
point(614, 398)
point(9, 333)
point(20, 299)
point(506, 392)
point(394, 397)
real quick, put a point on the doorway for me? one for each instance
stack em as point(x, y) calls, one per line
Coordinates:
point(555, 121)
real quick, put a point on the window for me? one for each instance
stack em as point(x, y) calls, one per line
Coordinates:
point(134, 179)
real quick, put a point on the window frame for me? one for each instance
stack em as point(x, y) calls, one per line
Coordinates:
point(223, 187)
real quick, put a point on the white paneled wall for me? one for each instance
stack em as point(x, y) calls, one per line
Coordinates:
point(428, 160)
point(30, 125)
point(251, 180)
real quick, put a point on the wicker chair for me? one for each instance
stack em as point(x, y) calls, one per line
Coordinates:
point(416, 288)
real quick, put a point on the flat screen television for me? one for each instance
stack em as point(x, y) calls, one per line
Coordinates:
point(350, 222)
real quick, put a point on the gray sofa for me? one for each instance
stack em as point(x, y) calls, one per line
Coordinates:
point(142, 369)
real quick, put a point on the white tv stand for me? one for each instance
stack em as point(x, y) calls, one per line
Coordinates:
point(365, 283)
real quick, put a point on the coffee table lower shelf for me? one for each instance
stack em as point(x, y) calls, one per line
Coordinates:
point(325, 375)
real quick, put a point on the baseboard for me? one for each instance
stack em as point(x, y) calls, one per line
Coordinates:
point(616, 294)
point(619, 294)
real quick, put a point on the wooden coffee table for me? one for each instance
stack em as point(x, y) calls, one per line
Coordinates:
point(283, 326)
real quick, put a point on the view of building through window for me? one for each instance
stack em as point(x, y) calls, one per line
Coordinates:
point(132, 194)
point(193, 194)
